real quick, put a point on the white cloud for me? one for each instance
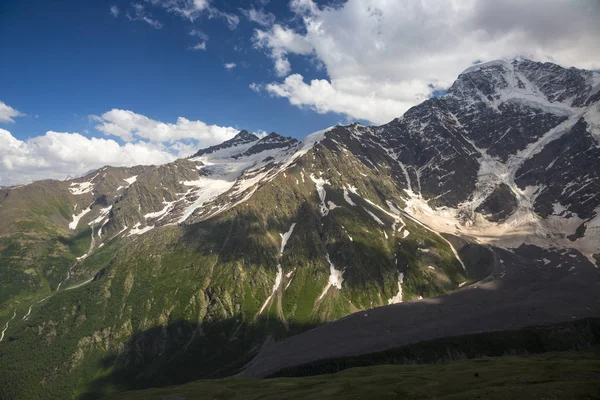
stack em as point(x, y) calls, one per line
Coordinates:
point(114, 10)
point(261, 134)
point(7, 113)
point(192, 9)
point(351, 98)
point(199, 34)
point(280, 41)
point(302, 7)
point(231, 19)
point(381, 56)
point(229, 65)
point(259, 16)
point(203, 39)
point(189, 9)
point(140, 14)
point(255, 87)
point(130, 126)
point(56, 155)
point(199, 46)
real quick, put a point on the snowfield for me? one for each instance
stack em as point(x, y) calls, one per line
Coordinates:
point(336, 277)
point(76, 217)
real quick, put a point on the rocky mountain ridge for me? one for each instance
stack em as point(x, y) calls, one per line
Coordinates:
point(258, 239)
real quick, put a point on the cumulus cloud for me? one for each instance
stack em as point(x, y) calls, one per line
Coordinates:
point(7, 113)
point(279, 41)
point(114, 10)
point(229, 65)
point(351, 97)
point(259, 16)
point(56, 155)
point(144, 141)
point(381, 57)
point(130, 126)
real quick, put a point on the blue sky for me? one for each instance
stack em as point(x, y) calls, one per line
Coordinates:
point(123, 82)
point(72, 59)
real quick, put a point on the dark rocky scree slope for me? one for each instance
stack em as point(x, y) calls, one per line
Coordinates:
point(131, 274)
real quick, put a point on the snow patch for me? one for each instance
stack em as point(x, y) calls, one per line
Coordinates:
point(6, 326)
point(398, 297)
point(558, 209)
point(320, 183)
point(275, 287)
point(336, 277)
point(392, 207)
point(136, 230)
point(375, 217)
point(285, 237)
point(592, 117)
point(73, 224)
point(78, 188)
point(103, 213)
point(288, 275)
point(121, 231)
point(169, 205)
point(209, 188)
point(131, 180)
point(332, 206)
point(347, 197)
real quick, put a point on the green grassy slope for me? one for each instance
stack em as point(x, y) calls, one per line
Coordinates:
point(560, 375)
point(181, 303)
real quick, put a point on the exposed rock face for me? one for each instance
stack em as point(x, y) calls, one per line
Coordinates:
point(257, 237)
point(269, 142)
point(499, 205)
point(241, 138)
point(569, 171)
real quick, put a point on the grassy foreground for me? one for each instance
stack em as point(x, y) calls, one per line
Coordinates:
point(555, 375)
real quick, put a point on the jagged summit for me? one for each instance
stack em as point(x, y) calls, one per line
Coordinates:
point(528, 81)
point(242, 138)
point(271, 141)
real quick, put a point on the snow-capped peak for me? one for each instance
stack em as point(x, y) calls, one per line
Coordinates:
point(544, 86)
point(238, 144)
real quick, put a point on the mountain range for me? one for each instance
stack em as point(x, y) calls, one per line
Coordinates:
point(475, 211)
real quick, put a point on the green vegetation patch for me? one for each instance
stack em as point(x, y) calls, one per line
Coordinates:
point(561, 375)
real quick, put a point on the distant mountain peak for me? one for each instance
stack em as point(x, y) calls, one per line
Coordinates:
point(271, 141)
point(542, 85)
point(274, 137)
point(243, 137)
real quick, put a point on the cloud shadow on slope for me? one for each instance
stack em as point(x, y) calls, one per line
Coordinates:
point(182, 351)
